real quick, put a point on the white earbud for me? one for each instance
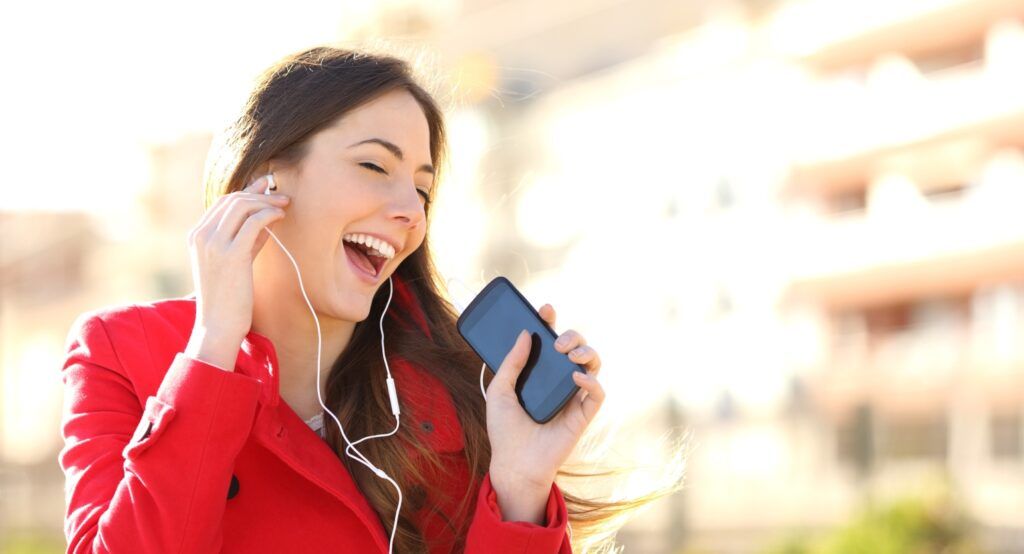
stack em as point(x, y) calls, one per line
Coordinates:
point(392, 393)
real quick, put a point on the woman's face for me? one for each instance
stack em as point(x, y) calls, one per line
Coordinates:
point(368, 173)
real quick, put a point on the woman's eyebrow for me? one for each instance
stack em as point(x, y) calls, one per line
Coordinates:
point(394, 149)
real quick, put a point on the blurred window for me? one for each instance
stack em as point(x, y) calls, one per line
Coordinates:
point(921, 437)
point(960, 55)
point(855, 440)
point(946, 193)
point(848, 201)
point(1007, 432)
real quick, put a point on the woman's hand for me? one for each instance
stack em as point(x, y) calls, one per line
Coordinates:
point(222, 246)
point(526, 455)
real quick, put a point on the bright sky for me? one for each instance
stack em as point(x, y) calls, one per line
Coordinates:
point(87, 85)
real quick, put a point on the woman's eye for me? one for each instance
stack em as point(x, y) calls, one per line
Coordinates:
point(373, 167)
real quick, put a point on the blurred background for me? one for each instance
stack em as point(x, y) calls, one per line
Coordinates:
point(793, 229)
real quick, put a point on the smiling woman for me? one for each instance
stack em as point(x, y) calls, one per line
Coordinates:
point(185, 419)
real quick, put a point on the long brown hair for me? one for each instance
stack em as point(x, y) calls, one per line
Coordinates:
point(291, 101)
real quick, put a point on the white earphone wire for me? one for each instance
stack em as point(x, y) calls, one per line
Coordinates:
point(361, 458)
point(483, 392)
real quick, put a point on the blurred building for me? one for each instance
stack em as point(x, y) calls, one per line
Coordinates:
point(813, 206)
point(40, 274)
point(909, 269)
point(59, 265)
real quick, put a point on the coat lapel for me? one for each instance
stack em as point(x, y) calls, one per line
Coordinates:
point(282, 432)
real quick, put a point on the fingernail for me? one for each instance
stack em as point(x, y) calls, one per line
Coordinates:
point(521, 334)
point(561, 341)
point(576, 352)
point(257, 182)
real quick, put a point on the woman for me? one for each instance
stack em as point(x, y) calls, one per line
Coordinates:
point(194, 424)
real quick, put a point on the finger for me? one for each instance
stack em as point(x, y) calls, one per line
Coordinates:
point(587, 357)
point(569, 340)
point(547, 313)
point(513, 363)
point(257, 186)
point(260, 186)
point(580, 395)
point(241, 208)
point(206, 228)
point(252, 227)
point(595, 394)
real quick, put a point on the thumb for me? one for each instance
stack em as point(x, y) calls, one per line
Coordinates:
point(514, 362)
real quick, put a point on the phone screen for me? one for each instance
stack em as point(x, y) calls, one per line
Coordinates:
point(491, 323)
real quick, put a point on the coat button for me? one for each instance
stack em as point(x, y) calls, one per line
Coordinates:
point(427, 426)
point(233, 488)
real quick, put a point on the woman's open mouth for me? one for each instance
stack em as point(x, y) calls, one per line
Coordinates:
point(365, 259)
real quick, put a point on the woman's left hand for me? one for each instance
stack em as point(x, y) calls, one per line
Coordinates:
point(526, 455)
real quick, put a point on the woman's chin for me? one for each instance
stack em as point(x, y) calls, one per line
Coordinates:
point(352, 303)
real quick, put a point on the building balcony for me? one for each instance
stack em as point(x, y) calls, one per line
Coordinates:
point(832, 34)
point(909, 248)
point(930, 128)
point(917, 372)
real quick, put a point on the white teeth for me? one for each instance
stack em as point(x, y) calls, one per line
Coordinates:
point(379, 247)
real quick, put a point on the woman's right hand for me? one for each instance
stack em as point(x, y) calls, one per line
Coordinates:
point(222, 247)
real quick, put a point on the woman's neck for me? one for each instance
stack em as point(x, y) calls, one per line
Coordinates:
point(291, 329)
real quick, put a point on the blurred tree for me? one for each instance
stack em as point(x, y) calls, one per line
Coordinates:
point(922, 525)
point(31, 542)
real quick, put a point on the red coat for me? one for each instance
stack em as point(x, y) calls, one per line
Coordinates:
point(166, 453)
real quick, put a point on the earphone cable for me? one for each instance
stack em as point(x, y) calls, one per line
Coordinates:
point(361, 458)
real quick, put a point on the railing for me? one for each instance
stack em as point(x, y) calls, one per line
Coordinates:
point(937, 351)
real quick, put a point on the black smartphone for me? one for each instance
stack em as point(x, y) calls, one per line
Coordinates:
point(490, 325)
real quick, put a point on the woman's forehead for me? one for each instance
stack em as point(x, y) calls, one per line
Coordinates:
point(395, 116)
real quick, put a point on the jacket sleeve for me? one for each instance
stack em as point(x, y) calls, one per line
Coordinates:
point(147, 474)
point(488, 532)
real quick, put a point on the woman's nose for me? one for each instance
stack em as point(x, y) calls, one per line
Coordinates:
point(409, 209)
